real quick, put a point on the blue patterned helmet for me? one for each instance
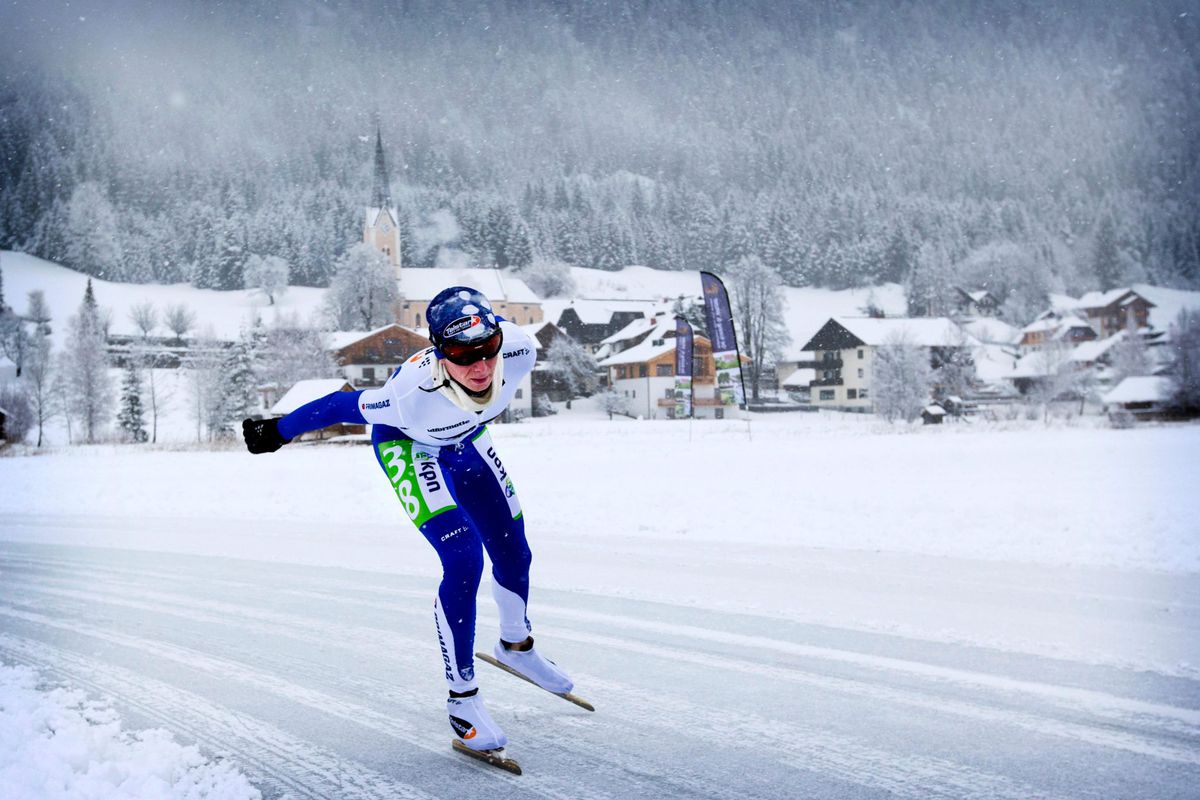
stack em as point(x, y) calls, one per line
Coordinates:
point(463, 326)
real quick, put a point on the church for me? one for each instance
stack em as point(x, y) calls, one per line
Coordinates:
point(510, 297)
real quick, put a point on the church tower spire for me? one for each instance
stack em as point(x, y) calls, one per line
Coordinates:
point(381, 226)
point(381, 193)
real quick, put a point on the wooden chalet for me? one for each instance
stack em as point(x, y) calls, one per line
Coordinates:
point(369, 358)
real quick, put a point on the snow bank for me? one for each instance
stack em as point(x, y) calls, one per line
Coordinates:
point(56, 743)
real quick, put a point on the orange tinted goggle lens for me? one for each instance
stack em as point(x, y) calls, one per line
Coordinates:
point(467, 354)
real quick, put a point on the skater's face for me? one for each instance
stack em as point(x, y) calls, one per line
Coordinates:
point(476, 377)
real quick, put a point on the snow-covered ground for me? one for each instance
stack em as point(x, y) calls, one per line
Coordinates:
point(811, 605)
point(57, 744)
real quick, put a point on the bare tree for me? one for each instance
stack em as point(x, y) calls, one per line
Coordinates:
point(267, 274)
point(144, 317)
point(572, 366)
point(363, 290)
point(758, 304)
point(37, 377)
point(291, 352)
point(179, 319)
point(614, 402)
point(901, 379)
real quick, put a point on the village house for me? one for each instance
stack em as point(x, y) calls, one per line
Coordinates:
point(590, 322)
point(1106, 312)
point(1052, 327)
point(981, 303)
point(643, 371)
point(368, 359)
point(844, 350)
point(1139, 397)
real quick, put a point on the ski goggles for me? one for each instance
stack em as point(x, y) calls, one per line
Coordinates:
point(465, 355)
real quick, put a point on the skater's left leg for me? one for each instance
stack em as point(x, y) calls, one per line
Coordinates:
point(496, 511)
point(497, 515)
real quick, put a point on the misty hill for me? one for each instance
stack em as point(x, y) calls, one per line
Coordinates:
point(1031, 148)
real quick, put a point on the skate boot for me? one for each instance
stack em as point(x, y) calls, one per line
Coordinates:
point(474, 726)
point(530, 663)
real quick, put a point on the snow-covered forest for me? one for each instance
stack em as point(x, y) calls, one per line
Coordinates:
point(1023, 147)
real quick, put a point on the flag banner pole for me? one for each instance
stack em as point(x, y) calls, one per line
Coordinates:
point(684, 403)
point(731, 384)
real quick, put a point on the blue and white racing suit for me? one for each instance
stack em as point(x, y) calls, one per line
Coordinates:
point(451, 483)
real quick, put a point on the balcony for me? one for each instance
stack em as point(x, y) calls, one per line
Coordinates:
point(827, 382)
point(828, 363)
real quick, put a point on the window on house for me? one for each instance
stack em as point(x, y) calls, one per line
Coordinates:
point(826, 394)
point(368, 373)
point(860, 373)
point(664, 370)
point(642, 371)
point(860, 352)
point(862, 394)
point(621, 371)
point(520, 393)
point(851, 394)
point(718, 413)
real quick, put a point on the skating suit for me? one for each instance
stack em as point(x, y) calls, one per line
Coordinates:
point(452, 484)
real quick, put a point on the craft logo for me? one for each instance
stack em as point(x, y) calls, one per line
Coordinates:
point(375, 406)
point(460, 325)
point(524, 351)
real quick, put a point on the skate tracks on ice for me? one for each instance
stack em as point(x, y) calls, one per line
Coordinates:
point(325, 683)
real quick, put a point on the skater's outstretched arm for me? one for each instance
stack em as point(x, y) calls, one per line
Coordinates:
point(268, 435)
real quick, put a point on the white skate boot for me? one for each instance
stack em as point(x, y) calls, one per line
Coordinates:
point(474, 726)
point(530, 663)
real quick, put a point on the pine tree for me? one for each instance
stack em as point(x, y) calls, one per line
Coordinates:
point(131, 418)
point(1106, 260)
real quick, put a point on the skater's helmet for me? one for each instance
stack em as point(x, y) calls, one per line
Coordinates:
point(462, 325)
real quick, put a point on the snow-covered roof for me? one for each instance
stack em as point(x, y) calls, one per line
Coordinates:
point(1140, 389)
point(339, 339)
point(1093, 300)
point(1087, 352)
point(921, 331)
point(934, 410)
point(800, 377)
point(534, 329)
point(991, 330)
point(634, 329)
point(307, 391)
point(372, 216)
point(663, 332)
point(1055, 323)
point(994, 363)
point(600, 312)
point(498, 286)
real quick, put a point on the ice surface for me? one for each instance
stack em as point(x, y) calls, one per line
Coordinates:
point(814, 605)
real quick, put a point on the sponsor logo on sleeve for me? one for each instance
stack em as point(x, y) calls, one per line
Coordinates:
point(376, 406)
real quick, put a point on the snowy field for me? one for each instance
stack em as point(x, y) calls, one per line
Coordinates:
point(808, 606)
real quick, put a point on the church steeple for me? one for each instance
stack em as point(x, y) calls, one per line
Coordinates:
point(381, 193)
point(381, 225)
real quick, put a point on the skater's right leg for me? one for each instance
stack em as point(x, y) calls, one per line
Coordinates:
point(432, 506)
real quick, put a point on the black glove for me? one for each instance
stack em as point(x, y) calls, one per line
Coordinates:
point(262, 435)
